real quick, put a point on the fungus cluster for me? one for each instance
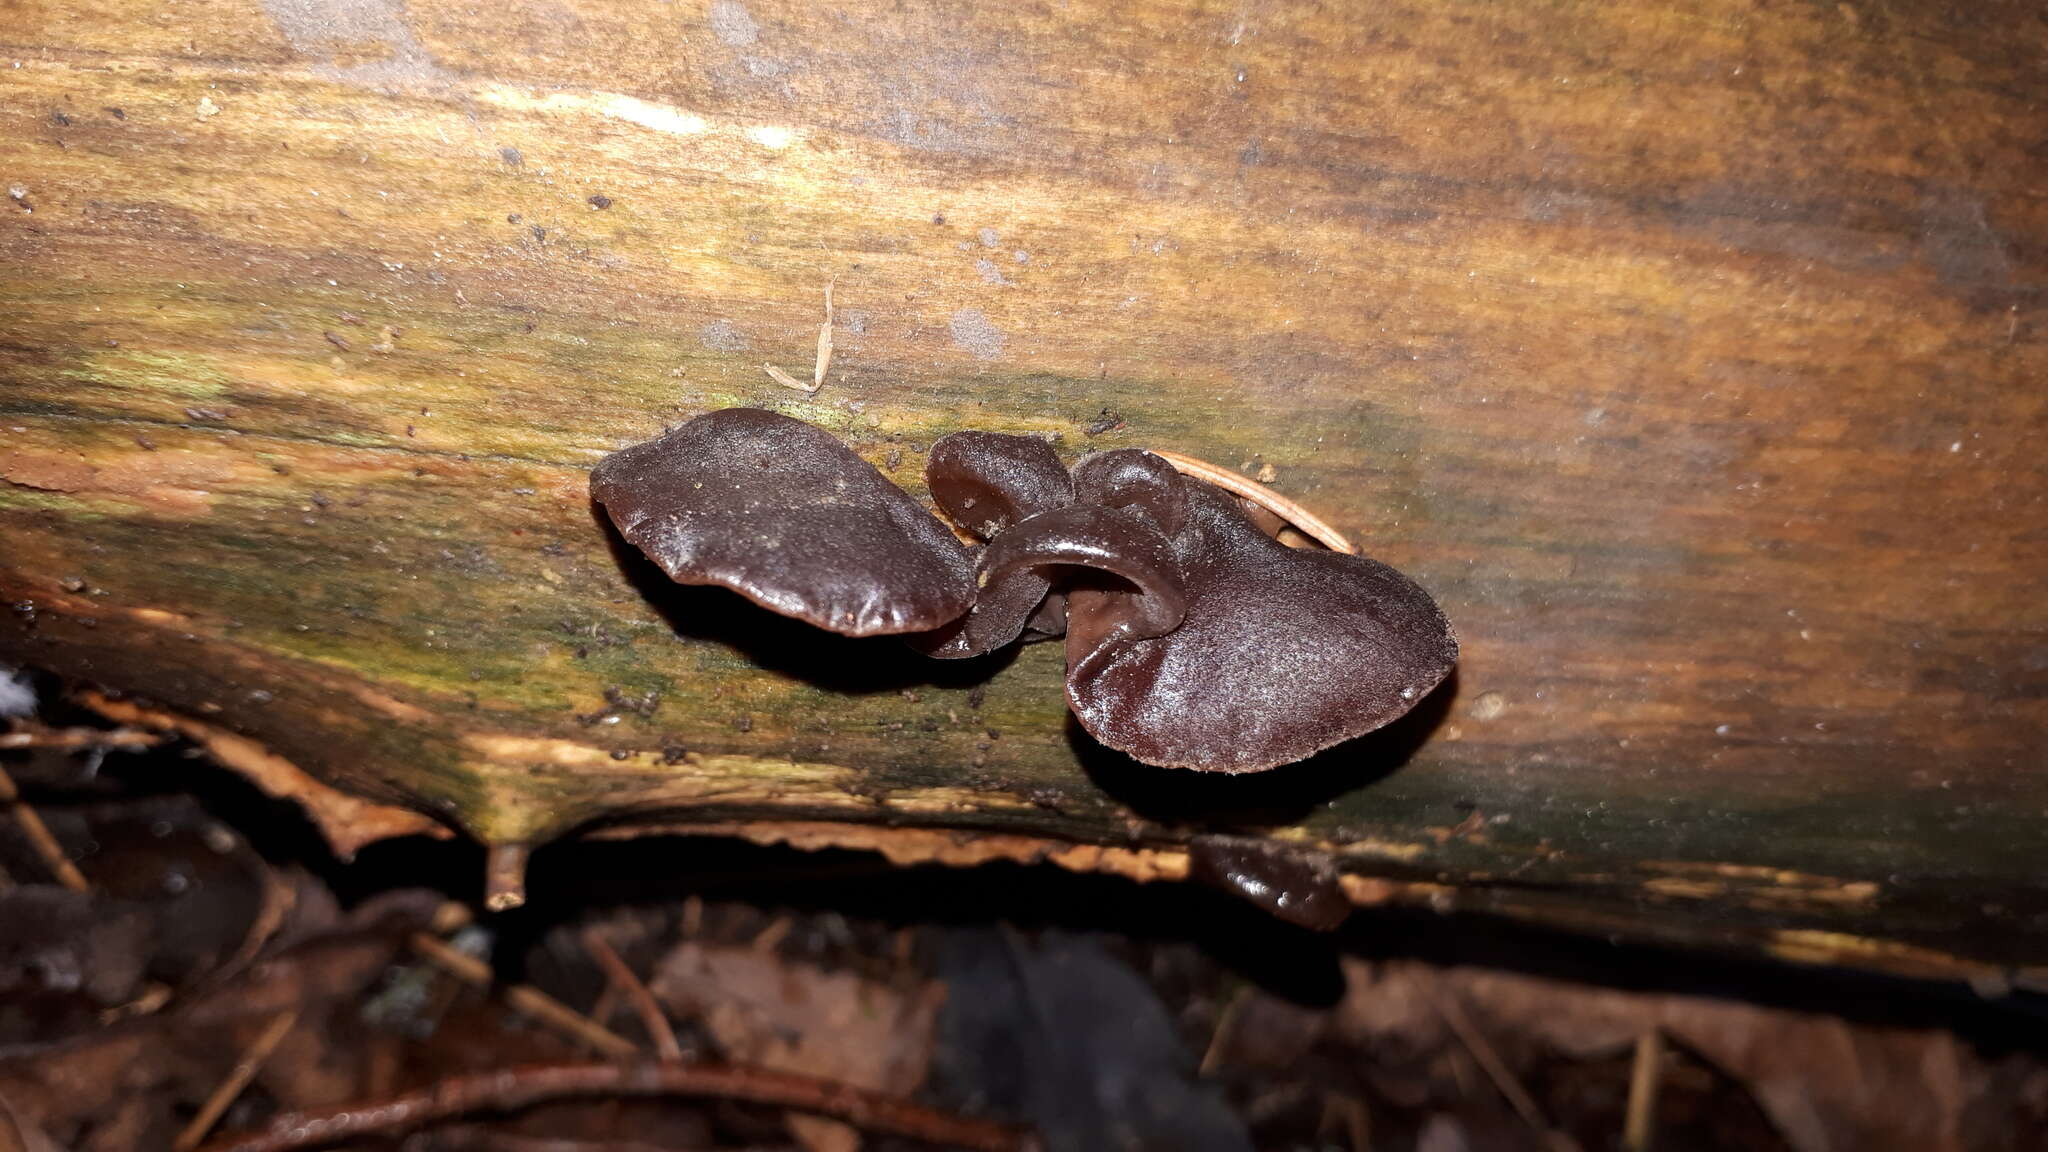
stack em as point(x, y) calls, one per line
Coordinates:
point(1194, 639)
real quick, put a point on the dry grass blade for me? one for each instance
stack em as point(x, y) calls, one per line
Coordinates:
point(824, 361)
point(786, 380)
point(1308, 522)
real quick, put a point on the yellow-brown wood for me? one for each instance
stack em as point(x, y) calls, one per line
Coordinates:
point(1692, 355)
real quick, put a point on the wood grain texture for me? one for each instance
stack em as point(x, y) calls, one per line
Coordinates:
point(1691, 355)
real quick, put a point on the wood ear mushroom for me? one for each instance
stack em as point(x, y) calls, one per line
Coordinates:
point(1194, 639)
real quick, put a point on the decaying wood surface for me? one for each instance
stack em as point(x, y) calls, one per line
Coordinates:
point(1691, 355)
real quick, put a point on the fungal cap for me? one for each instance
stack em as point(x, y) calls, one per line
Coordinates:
point(787, 516)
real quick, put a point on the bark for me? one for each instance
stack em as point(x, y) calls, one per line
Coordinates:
point(1690, 358)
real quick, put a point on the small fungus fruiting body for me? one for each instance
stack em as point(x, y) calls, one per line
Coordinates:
point(785, 515)
point(1295, 886)
point(1194, 638)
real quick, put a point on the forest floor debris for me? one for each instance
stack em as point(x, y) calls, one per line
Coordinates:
point(217, 972)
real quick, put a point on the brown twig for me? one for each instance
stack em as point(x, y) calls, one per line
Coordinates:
point(19, 1135)
point(509, 1089)
point(38, 834)
point(1212, 1056)
point(523, 997)
point(237, 1079)
point(618, 975)
point(1355, 1116)
point(79, 738)
point(1497, 1070)
point(494, 1138)
point(606, 1005)
point(279, 898)
point(1250, 489)
point(1639, 1128)
point(153, 996)
point(770, 938)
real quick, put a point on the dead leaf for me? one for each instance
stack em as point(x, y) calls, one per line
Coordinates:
point(1827, 1085)
point(796, 1018)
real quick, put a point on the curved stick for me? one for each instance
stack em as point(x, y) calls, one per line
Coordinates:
point(1310, 524)
point(509, 1089)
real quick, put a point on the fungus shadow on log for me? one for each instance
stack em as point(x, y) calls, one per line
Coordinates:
point(1278, 797)
point(784, 645)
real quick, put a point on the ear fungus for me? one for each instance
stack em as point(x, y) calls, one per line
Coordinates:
point(1294, 885)
point(1282, 652)
point(1141, 596)
point(785, 515)
point(987, 481)
point(1136, 481)
point(1194, 639)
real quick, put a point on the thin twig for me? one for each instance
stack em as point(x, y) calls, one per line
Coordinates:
point(21, 1135)
point(153, 996)
point(605, 1006)
point(786, 380)
point(771, 937)
point(1225, 1021)
point(619, 976)
point(278, 900)
point(237, 1079)
point(1639, 1129)
point(1237, 485)
point(451, 917)
point(523, 997)
point(493, 1138)
point(1496, 1069)
point(510, 1089)
point(79, 738)
point(38, 834)
point(1354, 1114)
